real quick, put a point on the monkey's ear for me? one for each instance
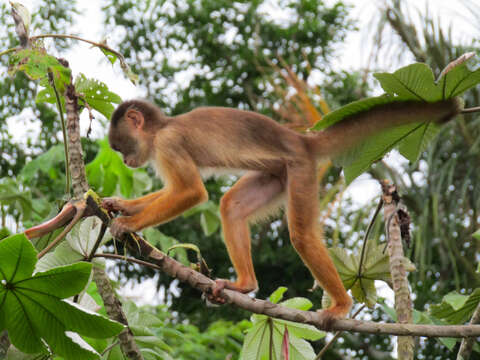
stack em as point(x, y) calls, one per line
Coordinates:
point(135, 117)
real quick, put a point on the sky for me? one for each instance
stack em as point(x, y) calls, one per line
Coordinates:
point(353, 55)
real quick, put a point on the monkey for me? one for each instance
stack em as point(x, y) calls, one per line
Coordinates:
point(281, 169)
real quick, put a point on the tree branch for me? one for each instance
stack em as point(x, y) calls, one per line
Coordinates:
point(467, 343)
point(139, 246)
point(403, 303)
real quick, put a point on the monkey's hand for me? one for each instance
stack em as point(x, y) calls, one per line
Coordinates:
point(115, 204)
point(120, 226)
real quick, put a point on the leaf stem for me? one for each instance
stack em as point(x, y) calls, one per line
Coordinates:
point(94, 43)
point(129, 259)
point(5, 52)
point(76, 219)
point(364, 246)
point(64, 132)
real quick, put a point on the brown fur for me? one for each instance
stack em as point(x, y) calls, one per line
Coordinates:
point(280, 163)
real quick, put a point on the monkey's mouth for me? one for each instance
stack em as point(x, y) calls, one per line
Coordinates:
point(131, 163)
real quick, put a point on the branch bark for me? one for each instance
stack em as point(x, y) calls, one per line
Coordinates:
point(140, 247)
point(80, 186)
point(403, 303)
point(467, 343)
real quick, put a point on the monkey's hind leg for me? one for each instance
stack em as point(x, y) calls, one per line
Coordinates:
point(254, 192)
point(306, 236)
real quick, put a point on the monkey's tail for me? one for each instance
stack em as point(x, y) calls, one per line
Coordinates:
point(357, 128)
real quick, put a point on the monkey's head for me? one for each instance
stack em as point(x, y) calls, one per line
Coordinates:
point(132, 130)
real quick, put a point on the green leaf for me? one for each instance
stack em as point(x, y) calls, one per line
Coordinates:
point(303, 331)
point(14, 197)
point(458, 80)
point(455, 300)
point(364, 291)
point(17, 258)
point(107, 171)
point(164, 242)
point(425, 318)
point(361, 157)
point(268, 332)
point(36, 64)
point(417, 141)
point(476, 234)
point(375, 267)
point(412, 82)
point(210, 222)
point(79, 244)
point(43, 163)
point(33, 301)
point(96, 94)
point(61, 282)
point(353, 108)
point(109, 55)
point(277, 295)
point(298, 303)
point(454, 309)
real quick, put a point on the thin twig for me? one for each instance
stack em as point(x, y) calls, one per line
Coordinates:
point(101, 234)
point(76, 218)
point(129, 259)
point(336, 336)
point(470, 110)
point(64, 132)
point(110, 347)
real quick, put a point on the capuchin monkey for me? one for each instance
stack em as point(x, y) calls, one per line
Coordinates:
point(281, 169)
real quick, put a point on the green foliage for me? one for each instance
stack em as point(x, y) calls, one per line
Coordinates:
point(267, 334)
point(209, 216)
point(11, 196)
point(47, 163)
point(36, 64)
point(456, 308)
point(96, 94)
point(36, 312)
point(375, 266)
point(107, 171)
point(411, 83)
point(78, 245)
point(166, 243)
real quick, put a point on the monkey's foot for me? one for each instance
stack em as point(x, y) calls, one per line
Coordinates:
point(337, 312)
point(217, 296)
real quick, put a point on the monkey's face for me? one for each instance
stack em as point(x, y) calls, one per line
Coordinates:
point(131, 143)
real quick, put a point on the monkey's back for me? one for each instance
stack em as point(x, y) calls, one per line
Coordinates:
point(232, 138)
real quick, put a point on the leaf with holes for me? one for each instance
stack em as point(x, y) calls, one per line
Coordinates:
point(96, 94)
point(36, 64)
point(34, 300)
